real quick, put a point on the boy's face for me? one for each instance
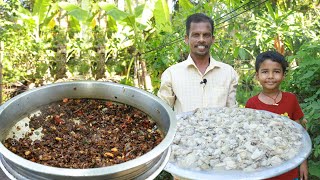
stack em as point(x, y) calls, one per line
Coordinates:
point(270, 75)
point(200, 39)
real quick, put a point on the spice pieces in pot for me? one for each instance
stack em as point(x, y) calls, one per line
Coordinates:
point(87, 133)
point(234, 139)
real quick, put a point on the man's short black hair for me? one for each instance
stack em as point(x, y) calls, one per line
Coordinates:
point(196, 18)
point(273, 56)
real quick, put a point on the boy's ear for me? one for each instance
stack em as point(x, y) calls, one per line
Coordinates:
point(284, 75)
point(256, 75)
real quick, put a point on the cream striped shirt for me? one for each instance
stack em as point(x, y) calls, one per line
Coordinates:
point(181, 88)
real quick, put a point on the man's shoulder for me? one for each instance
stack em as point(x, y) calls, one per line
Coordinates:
point(222, 64)
point(178, 66)
point(225, 68)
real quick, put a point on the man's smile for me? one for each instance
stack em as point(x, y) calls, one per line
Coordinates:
point(202, 46)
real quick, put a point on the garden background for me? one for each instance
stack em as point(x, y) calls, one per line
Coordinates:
point(134, 41)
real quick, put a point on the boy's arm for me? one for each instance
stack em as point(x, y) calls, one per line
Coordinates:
point(304, 165)
point(304, 170)
point(303, 122)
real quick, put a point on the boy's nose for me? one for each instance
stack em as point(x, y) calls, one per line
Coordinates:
point(270, 75)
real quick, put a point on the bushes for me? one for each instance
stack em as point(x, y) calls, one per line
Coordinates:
point(304, 81)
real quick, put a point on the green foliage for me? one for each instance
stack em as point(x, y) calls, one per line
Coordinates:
point(304, 81)
point(314, 169)
point(40, 8)
point(247, 87)
point(162, 16)
point(166, 50)
point(75, 11)
point(92, 37)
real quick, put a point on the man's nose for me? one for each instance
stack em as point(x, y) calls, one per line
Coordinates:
point(201, 38)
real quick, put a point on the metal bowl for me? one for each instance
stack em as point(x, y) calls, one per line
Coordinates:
point(147, 166)
point(262, 173)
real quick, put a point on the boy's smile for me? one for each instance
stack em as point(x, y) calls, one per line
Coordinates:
point(270, 75)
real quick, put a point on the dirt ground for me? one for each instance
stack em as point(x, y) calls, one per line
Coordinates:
point(3, 176)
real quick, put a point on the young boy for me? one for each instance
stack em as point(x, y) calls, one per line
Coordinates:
point(270, 71)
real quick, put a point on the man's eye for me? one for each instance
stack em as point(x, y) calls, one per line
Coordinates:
point(207, 35)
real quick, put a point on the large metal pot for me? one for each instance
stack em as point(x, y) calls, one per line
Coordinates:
point(147, 166)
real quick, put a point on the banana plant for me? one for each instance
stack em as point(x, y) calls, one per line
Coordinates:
point(83, 18)
point(33, 25)
point(82, 14)
point(39, 16)
point(275, 27)
point(138, 19)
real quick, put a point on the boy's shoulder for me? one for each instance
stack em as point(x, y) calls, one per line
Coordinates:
point(290, 97)
point(289, 94)
point(255, 96)
point(253, 100)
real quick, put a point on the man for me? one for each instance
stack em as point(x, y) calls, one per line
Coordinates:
point(199, 81)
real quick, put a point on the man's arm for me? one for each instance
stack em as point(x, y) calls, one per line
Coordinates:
point(231, 101)
point(165, 91)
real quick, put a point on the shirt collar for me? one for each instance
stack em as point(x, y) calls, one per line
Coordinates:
point(213, 63)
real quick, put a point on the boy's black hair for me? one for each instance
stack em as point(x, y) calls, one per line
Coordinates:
point(196, 18)
point(273, 56)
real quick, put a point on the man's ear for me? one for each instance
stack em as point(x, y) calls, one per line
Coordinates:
point(213, 39)
point(186, 39)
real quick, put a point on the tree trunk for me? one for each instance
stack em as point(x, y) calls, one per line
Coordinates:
point(99, 33)
point(61, 59)
point(279, 45)
point(1, 59)
point(135, 73)
point(61, 50)
point(146, 77)
point(100, 69)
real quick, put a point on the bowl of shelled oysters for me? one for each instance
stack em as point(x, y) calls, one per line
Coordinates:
point(236, 143)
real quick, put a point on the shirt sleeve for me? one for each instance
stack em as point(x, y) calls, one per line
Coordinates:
point(165, 91)
point(231, 101)
point(250, 104)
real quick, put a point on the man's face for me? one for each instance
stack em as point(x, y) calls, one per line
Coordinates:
point(200, 39)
